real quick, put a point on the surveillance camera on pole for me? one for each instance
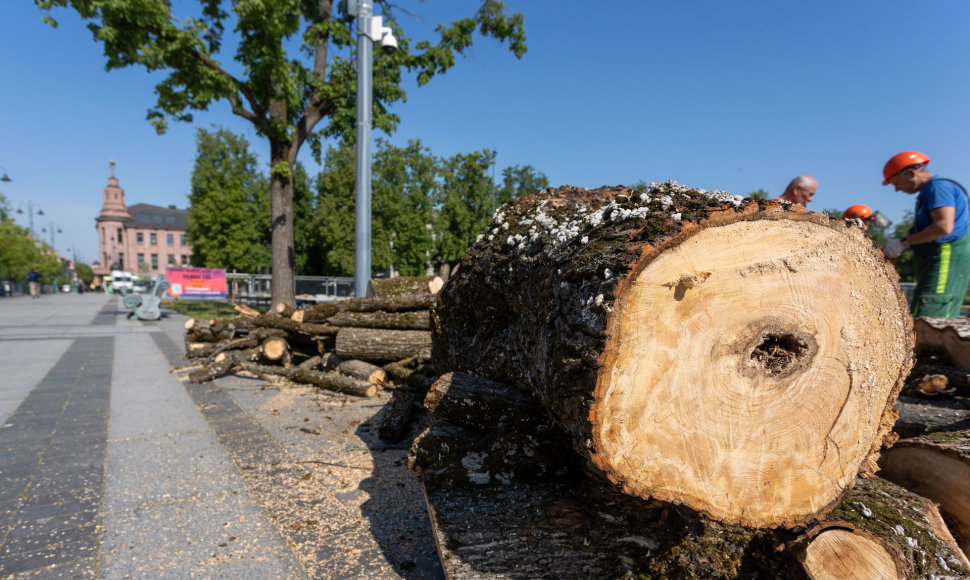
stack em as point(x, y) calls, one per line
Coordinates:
point(370, 30)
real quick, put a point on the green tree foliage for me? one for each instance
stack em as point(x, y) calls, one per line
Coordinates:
point(906, 264)
point(426, 210)
point(227, 222)
point(466, 202)
point(282, 76)
point(762, 194)
point(19, 253)
point(332, 250)
point(405, 189)
point(84, 273)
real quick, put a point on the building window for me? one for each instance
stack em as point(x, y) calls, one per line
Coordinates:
point(154, 261)
point(119, 235)
point(181, 239)
point(121, 260)
point(140, 237)
point(153, 239)
point(157, 219)
point(171, 259)
point(185, 260)
point(169, 220)
point(170, 239)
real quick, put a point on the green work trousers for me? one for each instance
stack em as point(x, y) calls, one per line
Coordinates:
point(942, 275)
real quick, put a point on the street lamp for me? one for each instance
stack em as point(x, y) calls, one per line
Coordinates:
point(5, 178)
point(370, 29)
point(30, 214)
point(44, 230)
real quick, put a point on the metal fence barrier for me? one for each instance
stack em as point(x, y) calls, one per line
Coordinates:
point(256, 288)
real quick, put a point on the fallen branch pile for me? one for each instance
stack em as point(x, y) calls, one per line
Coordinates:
point(355, 346)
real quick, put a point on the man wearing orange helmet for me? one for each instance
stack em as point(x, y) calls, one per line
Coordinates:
point(938, 238)
point(800, 190)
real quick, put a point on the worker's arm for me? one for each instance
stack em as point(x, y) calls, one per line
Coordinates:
point(942, 226)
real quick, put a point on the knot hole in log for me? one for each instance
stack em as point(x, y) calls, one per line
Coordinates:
point(775, 349)
point(781, 354)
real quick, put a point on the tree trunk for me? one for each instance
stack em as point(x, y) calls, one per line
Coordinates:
point(936, 466)
point(378, 345)
point(740, 357)
point(283, 286)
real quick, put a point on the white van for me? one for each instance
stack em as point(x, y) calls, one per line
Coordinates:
point(122, 282)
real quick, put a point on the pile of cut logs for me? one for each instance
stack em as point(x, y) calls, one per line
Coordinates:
point(355, 346)
point(720, 372)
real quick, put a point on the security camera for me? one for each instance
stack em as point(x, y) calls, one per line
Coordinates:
point(388, 42)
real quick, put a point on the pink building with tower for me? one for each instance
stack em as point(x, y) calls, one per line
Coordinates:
point(142, 238)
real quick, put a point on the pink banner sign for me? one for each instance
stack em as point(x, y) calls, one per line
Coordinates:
point(196, 282)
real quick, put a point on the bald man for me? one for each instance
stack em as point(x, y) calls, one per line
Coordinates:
point(800, 190)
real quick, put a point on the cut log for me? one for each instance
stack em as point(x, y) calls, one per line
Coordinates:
point(313, 363)
point(275, 349)
point(330, 361)
point(306, 329)
point(378, 345)
point(297, 316)
point(479, 404)
point(402, 285)
point(284, 309)
point(936, 466)
point(222, 364)
point(245, 310)
point(364, 371)
point(415, 378)
point(697, 348)
point(330, 381)
point(396, 416)
point(324, 311)
point(411, 320)
point(947, 336)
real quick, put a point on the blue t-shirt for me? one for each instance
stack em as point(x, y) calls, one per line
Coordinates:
point(942, 193)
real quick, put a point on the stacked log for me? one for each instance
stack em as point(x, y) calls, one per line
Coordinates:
point(695, 351)
point(340, 346)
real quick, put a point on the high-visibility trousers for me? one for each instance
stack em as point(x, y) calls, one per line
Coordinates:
point(942, 275)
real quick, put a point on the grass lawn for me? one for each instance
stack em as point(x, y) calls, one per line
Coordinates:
point(203, 309)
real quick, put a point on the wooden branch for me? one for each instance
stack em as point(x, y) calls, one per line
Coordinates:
point(331, 381)
point(306, 329)
point(245, 310)
point(364, 371)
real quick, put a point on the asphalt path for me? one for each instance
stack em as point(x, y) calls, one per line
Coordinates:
point(112, 465)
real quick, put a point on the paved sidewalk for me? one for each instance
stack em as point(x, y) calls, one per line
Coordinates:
point(112, 466)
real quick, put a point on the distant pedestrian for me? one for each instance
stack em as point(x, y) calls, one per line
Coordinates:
point(939, 237)
point(33, 280)
point(800, 190)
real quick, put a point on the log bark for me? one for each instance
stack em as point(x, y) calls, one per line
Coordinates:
point(936, 466)
point(324, 311)
point(947, 336)
point(364, 371)
point(284, 309)
point(396, 416)
point(480, 404)
point(411, 320)
point(575, 528)
point(331, 381)
point(415, 378)
point(378, 345)
point(402, 285)
point(697, 348)
point(221, 365)
point(305, 329)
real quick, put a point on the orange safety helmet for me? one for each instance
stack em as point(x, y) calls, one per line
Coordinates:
point(901, 161)
point(863, 212)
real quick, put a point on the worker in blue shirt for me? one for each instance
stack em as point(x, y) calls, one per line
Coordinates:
point(939, 236)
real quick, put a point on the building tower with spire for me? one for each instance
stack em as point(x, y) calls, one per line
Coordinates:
point(142, 239)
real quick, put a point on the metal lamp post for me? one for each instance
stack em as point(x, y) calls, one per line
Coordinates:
point(52, 234)
point(370, 29)
point(30, 215)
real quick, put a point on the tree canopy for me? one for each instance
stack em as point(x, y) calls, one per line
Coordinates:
point(276, 71)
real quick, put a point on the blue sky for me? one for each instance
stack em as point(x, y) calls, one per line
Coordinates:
point(738, 96)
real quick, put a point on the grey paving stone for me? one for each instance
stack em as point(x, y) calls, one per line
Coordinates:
point(217, 536)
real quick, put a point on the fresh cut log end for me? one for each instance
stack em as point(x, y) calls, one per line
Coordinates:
point(748, 369)
point(740, 357)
